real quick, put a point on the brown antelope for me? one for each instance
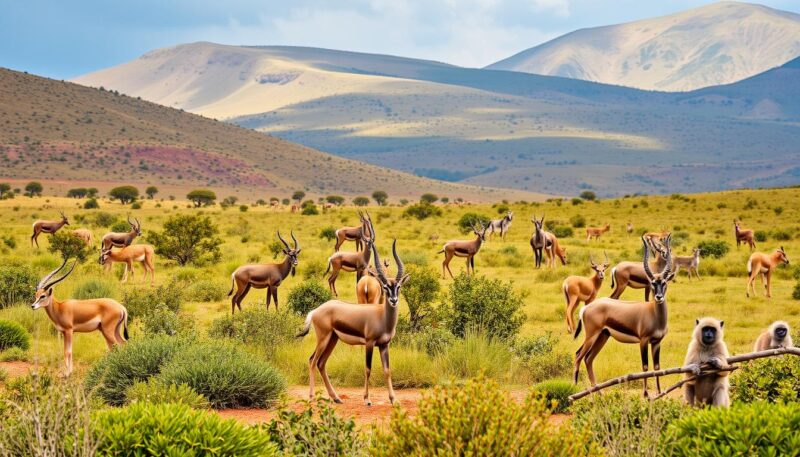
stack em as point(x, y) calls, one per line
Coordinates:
point(579, 288)
point(463, 248)
point(267, 276)
point(352, 234)
point(764, 264)
point(629, 228)
point(596, 232)
point(295, 208)
point(50, 227)
point(538, 239)
point(632, 274)
point(368, 289)
point(81, 316)
point(85, 235)
point(642, 323)
point(690, 263)
point(501, 225)
point(351, 261)
point(553, 249)
point(367, 325)
point(122, 239)
point(655, 239)
point(743, 236)
point(142, 253)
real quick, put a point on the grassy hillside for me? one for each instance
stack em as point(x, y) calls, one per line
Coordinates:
point(64, 135)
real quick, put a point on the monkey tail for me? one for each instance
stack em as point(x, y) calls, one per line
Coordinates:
point(613, 278)
point(233, 282)
point(580, 323)
point(307, 326)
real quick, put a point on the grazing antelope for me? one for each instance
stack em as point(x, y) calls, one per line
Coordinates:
point(142, 253)
point(122, 239)
point(643, 323)
point(367, 325)
point(690, 263)
point(352, 233)
point(267, 276)
point(462, 248)
point(579, 288)
point(501, 225)
point(553, 249)
point(82, 316)
point(351, 261)
point(538, 239)
point(744, 236)
point(596, 232)
point(368, 289)
point(632, 274)
point(629, 228)
point(764, 264)
point(50, 227)
point(85, 235)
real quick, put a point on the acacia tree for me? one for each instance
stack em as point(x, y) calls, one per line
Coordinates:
point(151, 192)
point(337, 200)
point(77, 192)
point(298, 195)
point(5, 189)
point(69, 246)
point(380, 197)
point(428, 198)
point(187, 238)
point(201, 197)
point(125, 194)
point(33, 189)
point(361, 201)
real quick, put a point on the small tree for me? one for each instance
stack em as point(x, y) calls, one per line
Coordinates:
point(5, 189)
point(69, 246)
point(77, 192)
point(33, 189)
point(91, 204)
point(125, 194)
point(187, 239)
point(201, 197)
point(92, 192)
point(285, 202)
point(420, 291)
point(298, 195)
point(488, 305)
point(151, 192)
point(380, 197)
point(428, 198)
point(467, 220)
point(337, 200)
point(588, 195)
point(361, 201)
point(422, 211)
point(309, 208)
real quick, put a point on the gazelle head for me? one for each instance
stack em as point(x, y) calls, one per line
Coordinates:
point(660, 280)
point(288, 251)
point(64, 218)
point(735, 224)
point(104, 253)
point(136, 227)
point(510, 215)
point(391, 287)
point(783, 258)
point(44, 290)
point(696, 252)
point(480, 230)
point(599, 268)
point(539, 224)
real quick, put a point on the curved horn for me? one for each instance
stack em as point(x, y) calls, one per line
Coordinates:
point(591, 260)
point(668, 267)
point(400, 268)
point(53, 283)
point(129, 219)
point(646, 260)
point(606, 254)
point(138, 224)
point(378, 267)
point(50, 275)
point(296, 244)
point(283, 241)
point(372, 235)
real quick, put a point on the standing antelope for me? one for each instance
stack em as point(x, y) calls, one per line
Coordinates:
point(352, 233)
point(367, 325)
point(764, 264)
point(462, 248)
point(632, 274)
point(628, 322)
point(85, 235)
point(267, 276)
point(142, 253)
point(122, 239)
point(596, 232)
point(82, 316)
point(368, 289)
point(579, 288)
point(351, 261)
point(743, 236)
point(629, 228)
point(501, 225)
point(538, 239)
point(691, 263)
point(50, 227)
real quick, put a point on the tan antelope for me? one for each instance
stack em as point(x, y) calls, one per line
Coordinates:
point(596, 232)
point(85, 235)
point(554, 250)
point(632, 274)
point(630, 322)
point(81, 316)
point(368, 289)
point(764, 264)
point(295, 208)
point(352, 233)
point(629, 228)
point(122, 239)
point(744, 236)
point(690, 263)
point(351, 261)
point(356, 325)
point(141, 253)
point(655, 239)
point(579, 288)
point(464, 248)
point(268, 276)
point(50, 227)
point(501, 225)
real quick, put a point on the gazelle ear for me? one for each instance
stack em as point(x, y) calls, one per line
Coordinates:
point(404, 278)
point(49, 291)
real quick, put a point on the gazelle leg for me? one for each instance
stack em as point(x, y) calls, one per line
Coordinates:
point(332, 282)
point(601, 341)
point(269, 296)
point(68, 351)
point(655, 348)
point(321, 365)
point(571, 304)
point(645, 365)
point(387, 371)
point(275, 296)
point(108, 335)
point(582, 352)
point(322, 343)
point(367, 370)
point(769, 283)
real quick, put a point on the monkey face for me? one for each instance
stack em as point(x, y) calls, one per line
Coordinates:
point(781, 332)
point(709, 335)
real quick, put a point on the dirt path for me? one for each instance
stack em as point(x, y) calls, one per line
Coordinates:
point(16, 369)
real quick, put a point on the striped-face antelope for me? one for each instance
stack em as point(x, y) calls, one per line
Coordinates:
point(82, 316)
point(642, 323)
point(632, 274)
point(501, 226)
point(50, 227)
point(140, 253)
point(764, 264)
point(85, 235)
point(464, 248)
point(351, 261)
point(268, 276)
point(122, 239)
point(596, 232)
point(744, 235)
point(352, 234)
point(690, 263)
point(580, 289)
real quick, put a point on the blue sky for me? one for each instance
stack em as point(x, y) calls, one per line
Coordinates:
point(62, 38)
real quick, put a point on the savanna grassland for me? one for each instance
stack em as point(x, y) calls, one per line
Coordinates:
point(248, 234)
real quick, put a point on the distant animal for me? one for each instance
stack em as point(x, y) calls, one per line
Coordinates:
point(85, 235)
point(351, 261)
point(632, 274)
point(122, 239)
point(553, 249)
point(295, 208)
point(629, 228)
point(50, 227)
point(596, 232)
point(690, 263)
point(744, 235)
point(501, 225)
point(776, 336)
point(352, 233)
point(707, 347)
point(368, 289)
point(764, 264)
point(464, 248)
point(538, 240)
point(579, 288)
point(140, 253)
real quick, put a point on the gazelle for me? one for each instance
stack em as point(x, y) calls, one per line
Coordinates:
point(501, 225)
point(596, 232)
point(464, 248)
point(368, 289)
point(632, 274)
point(690, 263)
point(643, 323)
point(351, 261)
point(553, 249)
point(352, 234)
point(85, 235)
point(655, 239)
point(744, 236)
point(538, 239)
point(142, 253)
point(82, 316)
point(579, 288)
point(122, 239)
point(629, 228)
point(764, 264)
point(268, 276)
point(367, 325)
point(50, 227)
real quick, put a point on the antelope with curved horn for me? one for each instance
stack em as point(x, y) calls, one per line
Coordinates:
point(744, 236)
point(368, 289)
point(268, 276)
point(351, 261)
point(632, 274)
point(642, 323)
point(579, 288)
point(538, 239)
point(50, 227)
point(764, 264)
point(122, 239)
point(352, 234)
point(463, 248)
point(85, 235)
point(357, 325)
point(141, 253)
point(501, 225)
point(596, 232)
point(82, 316)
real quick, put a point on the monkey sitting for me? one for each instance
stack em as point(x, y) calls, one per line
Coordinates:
point(707, 347)
point(776, 336)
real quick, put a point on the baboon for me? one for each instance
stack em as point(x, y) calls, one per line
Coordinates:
point(707, 347)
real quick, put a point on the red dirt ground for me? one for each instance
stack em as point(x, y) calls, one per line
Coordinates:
point(16, 369)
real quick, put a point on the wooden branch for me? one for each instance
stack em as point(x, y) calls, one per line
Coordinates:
point(692, 378)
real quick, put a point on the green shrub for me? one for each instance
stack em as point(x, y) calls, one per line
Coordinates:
point(257, 328)
point(226, 375)
point(557, 393)
point(205, 290)
point(13, 335)
point(577, 221)
point(478, 418)
point(14, 354)
point(328, 233)
point(69, 246)
point(563, 231)
point(796, 291)
point(475, 353)
point(467, 220)
point(422, 211)
point(120, 227)
point(713, 248)
point(91, 204)
point(743, 430)
point(154, 391)
point(420, 291)
point(434, 340)
point(3, 375)
point(143, 300)
point(94, 288)
point(760, 235)
point(772, 379)
point(147, 429)
point(489, 305)
point(17, 284)
point(313, 269)
point(539, 359)
point(160, 320)
point(187, 238)
point(103, 219)
point(781, 235)
point(308, 295)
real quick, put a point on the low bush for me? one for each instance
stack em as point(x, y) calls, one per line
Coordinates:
point(14, 354)
point(154, 391)
point(433, 340)
point(577, 221)
point(94, 288)
point(163, 321)
point(328, 233)
point(104, 219)
point(17, 284)
point(253, 326)
point(563, 231)
point(467, 220)
point(488, 305)
point(772, 379)
point(205, 290)
point(420, 291)
point(475, 353)
point(557, 393)
point(539, 359)
point(796, 291)
point(69, 246)
point(140, 301)
point(308, 295)
point(422, 211)
point(13, 335)
point(760, 235)
point(713, 248)
point(781, 235)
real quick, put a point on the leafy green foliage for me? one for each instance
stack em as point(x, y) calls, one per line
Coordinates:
point(69, 246)
point(104, 219)
point(476, 352)
point(489, 305)
point(308, 295)
point(588, 195)
point(467, 220)
point(151, 192)
point(298, 195)
point(141, 301)
point(562, 231)
point(420, 291)
point(540, 359)
point(14, 354)
point(154, 391)
point(428, 198)
point(309, 208)
point(380, 197)
point(94, 288)
point(17, 283)
point(201, 197)
point(361, 201)
point(577, 221)
point(91, 204)
point(205, 290)
point(337, 200)
point(33, 189)
point(188, 238)
point(125, 194)
point(13, 335)
point(422, 211)
point(257, 328)
point(713, 248)
point(328, 233)
point(760, 235)
point(772, 379)
point(557, 393)
point(161, 320)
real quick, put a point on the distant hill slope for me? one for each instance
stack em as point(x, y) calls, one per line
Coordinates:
point(715, 44)
point(63, 133)
point(495, 128)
